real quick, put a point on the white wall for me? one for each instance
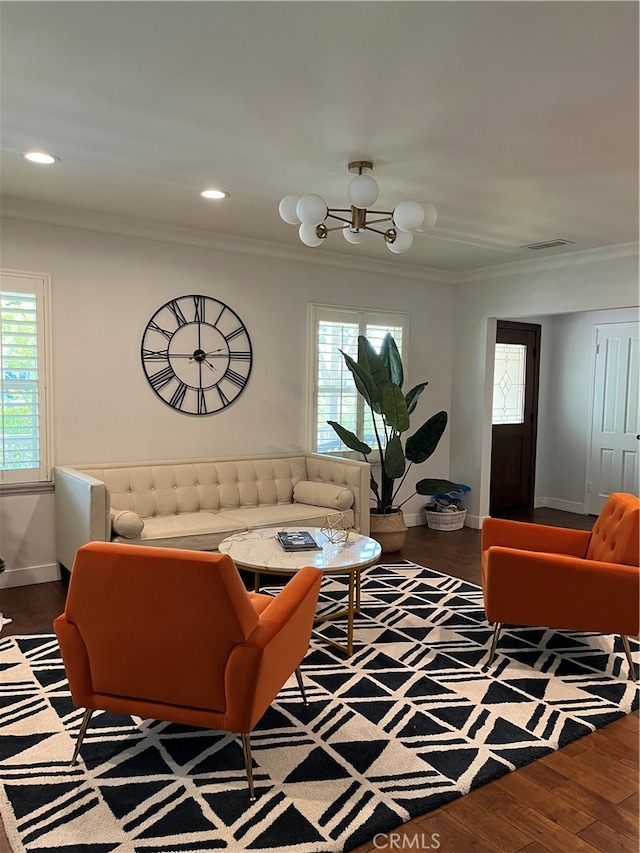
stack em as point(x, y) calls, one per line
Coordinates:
point(566, 391)
point(105, 288)
point(559, 285)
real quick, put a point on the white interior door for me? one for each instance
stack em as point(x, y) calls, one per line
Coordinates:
point(615, 430)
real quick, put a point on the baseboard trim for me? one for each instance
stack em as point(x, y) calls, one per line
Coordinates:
point(29, 575)
point(565, 506)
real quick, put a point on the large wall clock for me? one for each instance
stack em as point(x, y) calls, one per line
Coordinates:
point(196, 353)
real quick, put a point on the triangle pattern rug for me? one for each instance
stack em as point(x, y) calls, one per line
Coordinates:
point(411, 721)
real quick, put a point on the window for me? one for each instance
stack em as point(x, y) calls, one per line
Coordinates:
point(509, 383)
point(24, 434)
point(334, 396)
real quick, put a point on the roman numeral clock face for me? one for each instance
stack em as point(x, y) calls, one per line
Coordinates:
point(197, 355)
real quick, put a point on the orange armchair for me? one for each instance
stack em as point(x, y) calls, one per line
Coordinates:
point(578, 580)
point(174, 635)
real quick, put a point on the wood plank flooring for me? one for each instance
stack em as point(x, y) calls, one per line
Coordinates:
point(581, 799)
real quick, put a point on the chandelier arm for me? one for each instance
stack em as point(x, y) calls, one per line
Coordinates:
point(331, 215)
point(388, 218)
point(337, 227)
point(367, 227)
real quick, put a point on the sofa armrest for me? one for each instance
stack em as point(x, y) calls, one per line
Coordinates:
point(534, 537)
point(82, 512)
point(351, 474)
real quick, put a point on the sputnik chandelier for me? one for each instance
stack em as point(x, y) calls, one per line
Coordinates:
point(310, 212)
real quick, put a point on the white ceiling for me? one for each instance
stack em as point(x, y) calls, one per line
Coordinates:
point(518, 120)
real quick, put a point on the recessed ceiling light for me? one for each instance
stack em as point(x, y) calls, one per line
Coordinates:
point(40, 157)
point(214, 194)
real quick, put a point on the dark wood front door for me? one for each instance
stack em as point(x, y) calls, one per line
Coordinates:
point(515, 416)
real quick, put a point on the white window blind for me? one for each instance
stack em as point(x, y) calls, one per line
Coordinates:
point(23, 375)
point(335, 397)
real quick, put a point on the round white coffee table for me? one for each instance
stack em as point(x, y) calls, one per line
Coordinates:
point(260, 552)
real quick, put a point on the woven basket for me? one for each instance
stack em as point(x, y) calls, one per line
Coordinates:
point(445, 520)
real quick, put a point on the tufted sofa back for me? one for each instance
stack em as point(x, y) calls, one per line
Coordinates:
point(615, 537)
point(168, 489)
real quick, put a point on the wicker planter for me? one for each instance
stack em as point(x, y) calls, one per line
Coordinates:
point(389, 529)
point(445, 520)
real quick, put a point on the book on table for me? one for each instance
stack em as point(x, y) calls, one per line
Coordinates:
point(297, 540)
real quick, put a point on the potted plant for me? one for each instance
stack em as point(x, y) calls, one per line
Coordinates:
point(379, 378)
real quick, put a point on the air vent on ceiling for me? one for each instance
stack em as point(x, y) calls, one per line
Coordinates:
point(547, 244)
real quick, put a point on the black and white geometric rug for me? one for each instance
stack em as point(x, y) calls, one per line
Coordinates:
point(408, 723)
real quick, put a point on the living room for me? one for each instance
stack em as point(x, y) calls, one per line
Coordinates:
point(500, 166)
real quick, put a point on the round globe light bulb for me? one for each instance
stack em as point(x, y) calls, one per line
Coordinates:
point(362, 191)
point(287, 209)
point(430, 217)
point(311, 209)
point(309, 236)
point(408, 215)
point(403, 241)
point(353, 236)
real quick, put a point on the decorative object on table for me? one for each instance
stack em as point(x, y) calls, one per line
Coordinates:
point(297, 540)
point(196, 354)
point(412, 721)
point(336, 530)
point(445, 511)
point(379, 378)
point(310, 211)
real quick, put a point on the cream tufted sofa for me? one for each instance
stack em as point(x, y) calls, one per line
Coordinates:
point(197, 503)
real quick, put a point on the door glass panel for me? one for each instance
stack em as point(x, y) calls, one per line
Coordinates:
point(509, 383)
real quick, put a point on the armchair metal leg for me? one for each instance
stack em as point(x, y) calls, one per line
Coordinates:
point(248, 765)
point(301, 685)
point(83, 728)
point(494, 642)
point(627, 651)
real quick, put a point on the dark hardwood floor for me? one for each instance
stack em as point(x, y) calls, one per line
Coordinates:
point(580, 799)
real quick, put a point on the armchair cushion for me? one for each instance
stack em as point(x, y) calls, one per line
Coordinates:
point(616, 533)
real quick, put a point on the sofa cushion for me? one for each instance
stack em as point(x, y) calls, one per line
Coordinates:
point(126, 523)
point(323, 494)
point(286, 515)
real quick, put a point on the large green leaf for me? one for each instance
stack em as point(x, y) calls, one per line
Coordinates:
point(422, 443)
point(394, 407)
point(413, 396)
point(364, 382)
point(350, 439)
point(394, 463)
point(392, 359)
point(373, 364)
point(431, 486)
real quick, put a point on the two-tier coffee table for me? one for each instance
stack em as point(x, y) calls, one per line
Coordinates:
point(260, 552)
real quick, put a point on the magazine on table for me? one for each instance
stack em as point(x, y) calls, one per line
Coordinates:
point(297, 540)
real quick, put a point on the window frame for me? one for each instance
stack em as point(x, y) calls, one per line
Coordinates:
point(317, 312)
point(39, 285)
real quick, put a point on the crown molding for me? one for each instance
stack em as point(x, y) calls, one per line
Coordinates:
point(48, 214)
point(551, 262)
